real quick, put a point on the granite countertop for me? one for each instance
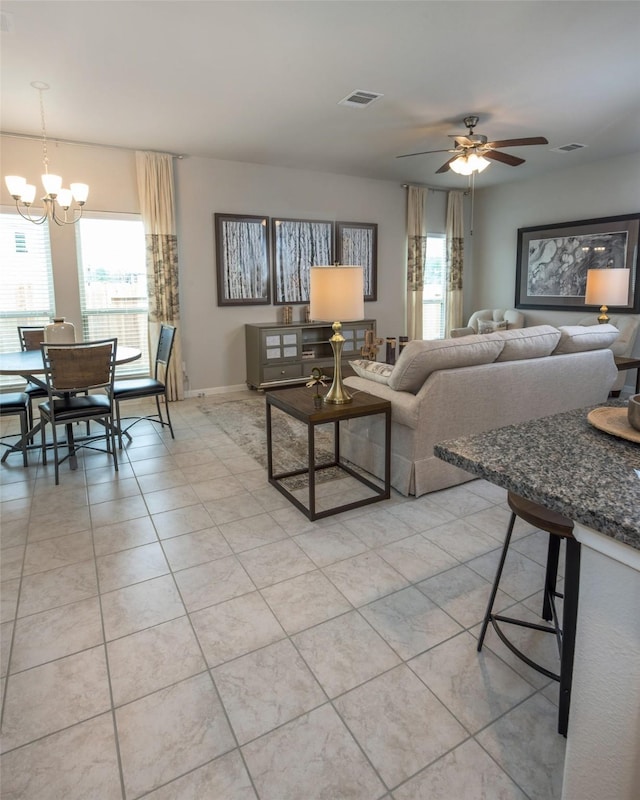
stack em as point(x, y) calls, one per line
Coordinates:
point(563, 463)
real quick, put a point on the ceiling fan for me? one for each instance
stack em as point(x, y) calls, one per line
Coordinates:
point(472, 150)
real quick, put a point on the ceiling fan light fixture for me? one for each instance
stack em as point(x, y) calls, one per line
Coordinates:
point(469, 163)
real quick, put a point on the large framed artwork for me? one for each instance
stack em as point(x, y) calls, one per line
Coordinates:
point(242, 259)
point(553, 260)
point(357, 243)
point(298, 244)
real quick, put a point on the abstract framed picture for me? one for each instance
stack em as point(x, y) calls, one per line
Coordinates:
point(357, 243)
point(298, 245)
point(553, 260)
point(242, 259)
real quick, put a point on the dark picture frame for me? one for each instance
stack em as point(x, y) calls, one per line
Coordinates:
point(357, 243)
point(243, 265)
point(298, 245)
point(552, 262)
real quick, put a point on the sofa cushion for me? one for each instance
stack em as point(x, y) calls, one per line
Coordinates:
point(419, 358)
point(534, 342)
point(372, 370)
point(490, 325)
point(578, 338)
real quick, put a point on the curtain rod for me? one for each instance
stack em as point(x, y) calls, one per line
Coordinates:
point(38, 138)
point(432, 188)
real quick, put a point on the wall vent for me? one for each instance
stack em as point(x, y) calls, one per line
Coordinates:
point(359, 99)
point(567, 148)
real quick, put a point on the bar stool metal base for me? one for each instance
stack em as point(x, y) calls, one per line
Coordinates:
point(558, 527)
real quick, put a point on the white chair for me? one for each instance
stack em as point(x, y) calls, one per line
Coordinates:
point(514, 319)
point(628, 325)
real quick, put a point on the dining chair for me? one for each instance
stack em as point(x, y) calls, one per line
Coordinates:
point(16, 404)
point(31, 337)
point(137, 388)
point(72, 369)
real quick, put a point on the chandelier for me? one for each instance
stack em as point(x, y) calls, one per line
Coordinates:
point(24, 193)
point(469, 163)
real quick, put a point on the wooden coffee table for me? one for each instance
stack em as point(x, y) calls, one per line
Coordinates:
point(623, 363)
point(298, 403)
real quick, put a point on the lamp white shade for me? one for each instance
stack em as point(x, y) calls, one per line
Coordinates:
point(28, 193)
point(608, 287)
point(336, 293)
point(80, 192)
point(15, 185)
point(52, 183)
point(64, 198)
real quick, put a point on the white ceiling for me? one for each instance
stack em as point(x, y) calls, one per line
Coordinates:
point(260, 81)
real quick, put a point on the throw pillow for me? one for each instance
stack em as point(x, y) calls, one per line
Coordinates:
point(372, 370)
point(490, 325)
point(578, 338)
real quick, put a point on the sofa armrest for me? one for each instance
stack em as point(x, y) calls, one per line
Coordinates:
point(405, 406)
point(456, 332)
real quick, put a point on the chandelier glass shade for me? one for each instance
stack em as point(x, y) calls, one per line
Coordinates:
point(468, 163)
point(55, 195)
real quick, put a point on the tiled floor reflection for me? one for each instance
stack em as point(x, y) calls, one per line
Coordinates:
point(179, 631)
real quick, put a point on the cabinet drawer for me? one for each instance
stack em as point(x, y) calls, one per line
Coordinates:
point(282, 372)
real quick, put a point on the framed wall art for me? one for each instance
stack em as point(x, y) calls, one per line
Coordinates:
point(357, 243)
point(298, 244)
point(242, 259)
point(553, 260)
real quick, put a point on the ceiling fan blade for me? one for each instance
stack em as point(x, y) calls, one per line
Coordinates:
point(505, 158)
point(423, 153)
point(445, 166)
point(519, 142)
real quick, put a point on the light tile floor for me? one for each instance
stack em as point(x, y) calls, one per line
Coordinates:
point(179, 630)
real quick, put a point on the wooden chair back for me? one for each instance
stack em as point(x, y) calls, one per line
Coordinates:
point(31, 336)
point(81, 367)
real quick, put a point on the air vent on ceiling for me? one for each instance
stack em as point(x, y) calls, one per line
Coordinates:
point(567, 148)
point(359, 99)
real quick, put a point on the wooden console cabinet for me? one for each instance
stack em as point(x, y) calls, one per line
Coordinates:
point(279, 354)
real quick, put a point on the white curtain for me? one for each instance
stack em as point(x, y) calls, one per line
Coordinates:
point(454, 230)
point(416, 258)
point(155, 190)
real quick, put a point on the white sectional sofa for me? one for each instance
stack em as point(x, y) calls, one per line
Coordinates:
point(446, 388)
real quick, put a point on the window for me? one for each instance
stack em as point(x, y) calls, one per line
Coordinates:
point(434, 292)
point(113, 283)
point(26, 291)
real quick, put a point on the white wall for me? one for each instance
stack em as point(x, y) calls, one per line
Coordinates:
point(606, 188)
point(111, 177)
point(213, 341)
point(213, 336)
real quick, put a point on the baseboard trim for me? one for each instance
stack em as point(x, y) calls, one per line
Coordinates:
point(216, 390)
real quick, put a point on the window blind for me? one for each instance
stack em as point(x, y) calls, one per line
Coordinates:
point(435, 287)
point(113, 283)
point(26, 289)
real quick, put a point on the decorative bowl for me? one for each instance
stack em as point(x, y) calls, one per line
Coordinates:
point(633, 411)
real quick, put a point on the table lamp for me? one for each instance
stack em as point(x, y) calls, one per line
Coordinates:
point(337, 293)
point(607, 287)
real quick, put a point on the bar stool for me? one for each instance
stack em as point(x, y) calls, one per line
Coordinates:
point(558, 528)
point(12, 404)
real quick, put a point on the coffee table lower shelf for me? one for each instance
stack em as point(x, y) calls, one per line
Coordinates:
point(298, 403)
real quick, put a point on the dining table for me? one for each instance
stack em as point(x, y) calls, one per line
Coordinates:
point(573, 464)
point(29, 365)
